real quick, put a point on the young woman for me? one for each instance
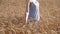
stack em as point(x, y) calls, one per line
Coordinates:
point(32, 13)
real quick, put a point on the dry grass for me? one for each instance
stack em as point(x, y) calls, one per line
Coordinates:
point(12, 17)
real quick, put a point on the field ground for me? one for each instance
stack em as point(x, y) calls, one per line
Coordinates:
point(12, 17)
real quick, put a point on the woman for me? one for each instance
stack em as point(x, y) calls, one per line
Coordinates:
point(32, 11)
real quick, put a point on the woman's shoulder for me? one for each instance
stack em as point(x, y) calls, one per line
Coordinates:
point(36, 3)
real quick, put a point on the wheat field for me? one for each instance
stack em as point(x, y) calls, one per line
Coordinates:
point(12, 17)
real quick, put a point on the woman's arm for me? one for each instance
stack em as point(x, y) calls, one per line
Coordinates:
point(27, 5)
point(27, 9)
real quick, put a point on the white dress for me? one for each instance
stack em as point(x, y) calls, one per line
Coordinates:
point(34, 14)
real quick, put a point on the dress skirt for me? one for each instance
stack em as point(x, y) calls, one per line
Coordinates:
point(34, 14)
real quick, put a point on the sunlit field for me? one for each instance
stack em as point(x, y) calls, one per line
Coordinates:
point(13, 12)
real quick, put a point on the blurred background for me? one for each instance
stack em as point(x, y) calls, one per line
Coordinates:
point(12, 17)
